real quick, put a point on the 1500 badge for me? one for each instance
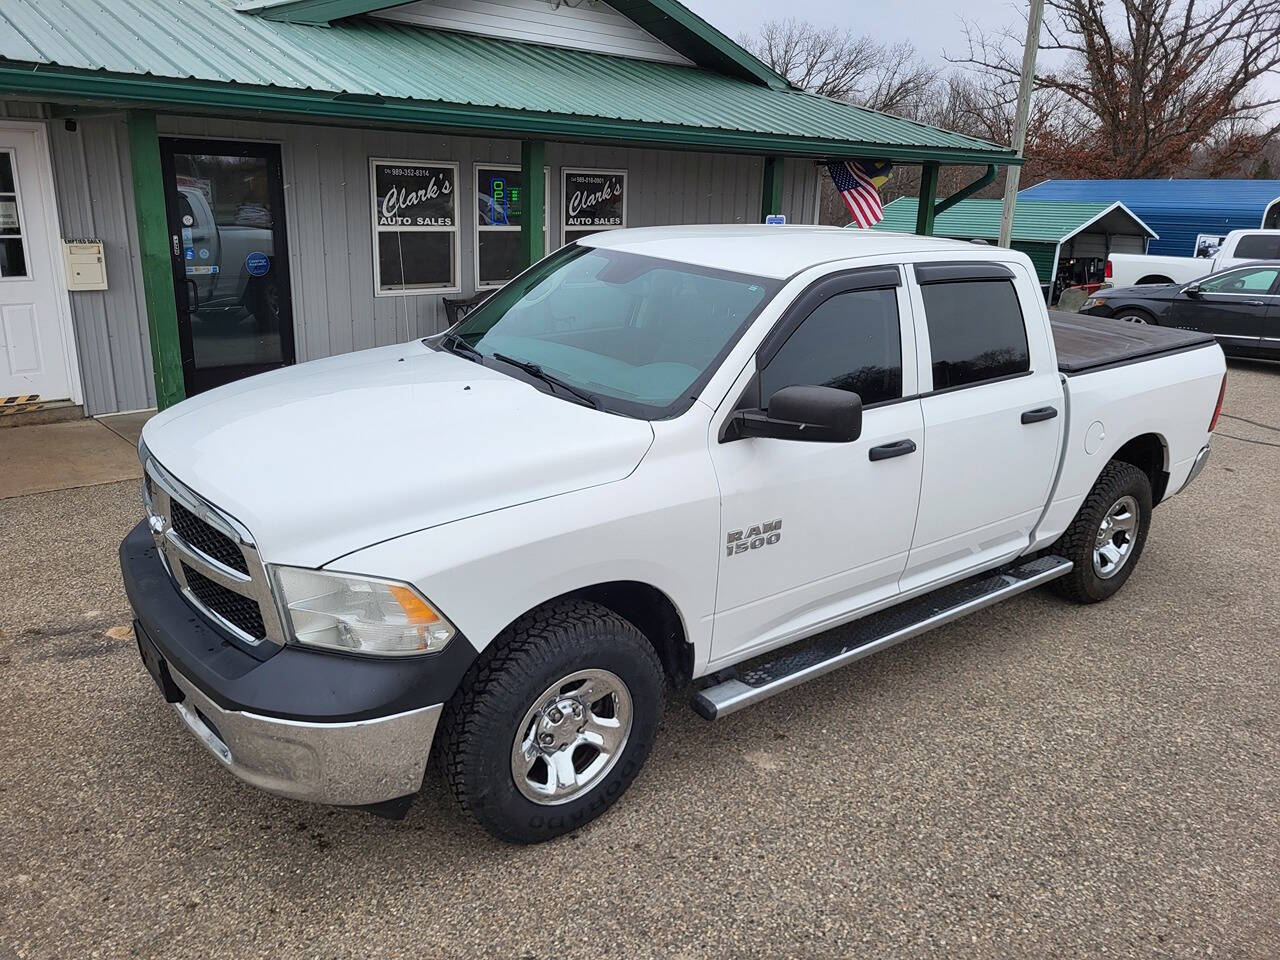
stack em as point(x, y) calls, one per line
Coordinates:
point(753, 538)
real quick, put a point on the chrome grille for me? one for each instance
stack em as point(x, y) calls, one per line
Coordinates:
point(242, 612)
point(211, 557)
point(206, 539)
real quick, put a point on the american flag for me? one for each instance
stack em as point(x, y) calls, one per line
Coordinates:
point(853, 180)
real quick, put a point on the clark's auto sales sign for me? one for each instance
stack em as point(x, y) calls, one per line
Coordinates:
point(593, 199)
point(414, 195)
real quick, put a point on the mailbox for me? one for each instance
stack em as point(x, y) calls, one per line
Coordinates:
point(86, 266)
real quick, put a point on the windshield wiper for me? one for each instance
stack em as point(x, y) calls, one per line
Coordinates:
point(459, 347)
point(549, 378)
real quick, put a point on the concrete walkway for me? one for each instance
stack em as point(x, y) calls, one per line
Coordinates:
point(75, 453)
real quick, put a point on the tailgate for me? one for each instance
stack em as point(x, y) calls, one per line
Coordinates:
point(1087, 343)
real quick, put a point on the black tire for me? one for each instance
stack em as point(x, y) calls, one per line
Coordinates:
point(1137, 313)
point(1084, 584)
point(482, 720)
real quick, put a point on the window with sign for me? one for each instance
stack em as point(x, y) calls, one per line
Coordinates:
point(13, 254)
point(499, 216)
point(415, 226)
point(591, 201)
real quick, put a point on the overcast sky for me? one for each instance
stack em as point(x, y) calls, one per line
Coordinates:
point(931, 25)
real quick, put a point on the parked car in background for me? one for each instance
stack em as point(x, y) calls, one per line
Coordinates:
point(1240, 307)
point(1240, 246)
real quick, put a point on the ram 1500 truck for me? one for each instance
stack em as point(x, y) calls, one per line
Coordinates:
point(665, 458)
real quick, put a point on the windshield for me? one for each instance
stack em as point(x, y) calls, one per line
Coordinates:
point(639, 335)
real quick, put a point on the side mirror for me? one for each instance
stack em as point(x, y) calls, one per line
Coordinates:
point(1193, 290)
point(816, 414)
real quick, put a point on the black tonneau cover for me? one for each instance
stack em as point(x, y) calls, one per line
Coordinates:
point(1086, 343)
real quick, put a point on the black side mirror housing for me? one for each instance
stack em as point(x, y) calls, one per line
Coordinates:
point(1193, 290)
point(815, 414)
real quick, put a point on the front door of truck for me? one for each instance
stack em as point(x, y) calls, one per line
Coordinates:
point(229, 250)
point(811, 531)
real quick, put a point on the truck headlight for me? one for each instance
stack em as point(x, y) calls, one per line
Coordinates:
point(340, 611)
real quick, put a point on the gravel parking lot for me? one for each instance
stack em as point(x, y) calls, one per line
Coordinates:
point(1038, 780)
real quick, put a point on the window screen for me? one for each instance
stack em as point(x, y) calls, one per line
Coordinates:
point(976, 331)
point(1259, 246)
point(851, 342)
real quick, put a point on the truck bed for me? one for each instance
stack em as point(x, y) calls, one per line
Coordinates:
point(1087, 343)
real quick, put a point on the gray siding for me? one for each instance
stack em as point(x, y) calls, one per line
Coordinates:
point(94, 185)
point(328, 218)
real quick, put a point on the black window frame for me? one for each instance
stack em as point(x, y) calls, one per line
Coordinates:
point(957, 272)
point(880, 277)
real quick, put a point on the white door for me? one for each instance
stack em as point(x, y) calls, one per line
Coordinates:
point(993, 417)
point(33, 354)
point(811, 531)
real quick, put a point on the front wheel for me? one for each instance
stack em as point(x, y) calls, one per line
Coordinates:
point(1106, 538)
point(1134, 315)
point(553, 723)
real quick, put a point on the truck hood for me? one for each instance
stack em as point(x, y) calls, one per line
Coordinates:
point(326, 457)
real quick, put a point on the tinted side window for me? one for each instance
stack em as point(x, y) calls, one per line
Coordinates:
point(976, 331)
point(851, 342)
point(1259, 246)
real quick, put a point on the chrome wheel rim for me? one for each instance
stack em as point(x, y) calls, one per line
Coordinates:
point(1133, 318)
point(1113, 545)
point(571, 737)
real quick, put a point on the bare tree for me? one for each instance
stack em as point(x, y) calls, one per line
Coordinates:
point(845, 66)
point(1145, 88)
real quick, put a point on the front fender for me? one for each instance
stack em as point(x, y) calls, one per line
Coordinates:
point(660, 526)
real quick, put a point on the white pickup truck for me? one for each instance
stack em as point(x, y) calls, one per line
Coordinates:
point(720, 459)
point(1239, 246)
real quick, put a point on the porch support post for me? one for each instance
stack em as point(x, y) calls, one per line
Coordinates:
point(533, 157)
point(771, 188)
point(153, 250)
point(928, 197)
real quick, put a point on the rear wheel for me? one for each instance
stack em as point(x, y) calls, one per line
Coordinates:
point(1106, 538)
point(553, 723)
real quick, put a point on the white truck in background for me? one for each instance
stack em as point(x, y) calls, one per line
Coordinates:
point(1240, 246)
point(661, 458)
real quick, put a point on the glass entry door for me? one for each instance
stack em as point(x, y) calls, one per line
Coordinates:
point(225, 203)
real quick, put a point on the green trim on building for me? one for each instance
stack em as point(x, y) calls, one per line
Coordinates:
point(926, 213)
point(771, 188)
point(689, 35)
point(153, 250)
point(533, 157)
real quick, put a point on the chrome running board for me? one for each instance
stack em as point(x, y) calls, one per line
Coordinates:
point(792, 665)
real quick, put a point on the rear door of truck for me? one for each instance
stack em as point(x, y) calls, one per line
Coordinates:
point(992, 402)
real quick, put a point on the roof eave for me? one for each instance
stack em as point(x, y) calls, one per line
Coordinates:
point(316, 13)
point(149, 91)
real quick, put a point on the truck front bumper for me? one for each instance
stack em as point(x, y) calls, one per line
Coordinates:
point(310, 725)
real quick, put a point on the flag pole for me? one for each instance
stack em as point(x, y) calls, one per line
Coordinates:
point(1025, 86)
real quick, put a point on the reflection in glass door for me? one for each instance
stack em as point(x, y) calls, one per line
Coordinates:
point(225, 203)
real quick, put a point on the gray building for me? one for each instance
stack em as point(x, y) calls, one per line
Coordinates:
point(185, 200)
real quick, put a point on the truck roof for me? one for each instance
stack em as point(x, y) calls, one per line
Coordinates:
point(778, 252)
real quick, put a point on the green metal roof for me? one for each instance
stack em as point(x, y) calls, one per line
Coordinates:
point(207, 55)
point(1045, 221)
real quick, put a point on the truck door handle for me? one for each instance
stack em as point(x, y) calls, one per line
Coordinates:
point(1038, 414)
point(888, 451)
